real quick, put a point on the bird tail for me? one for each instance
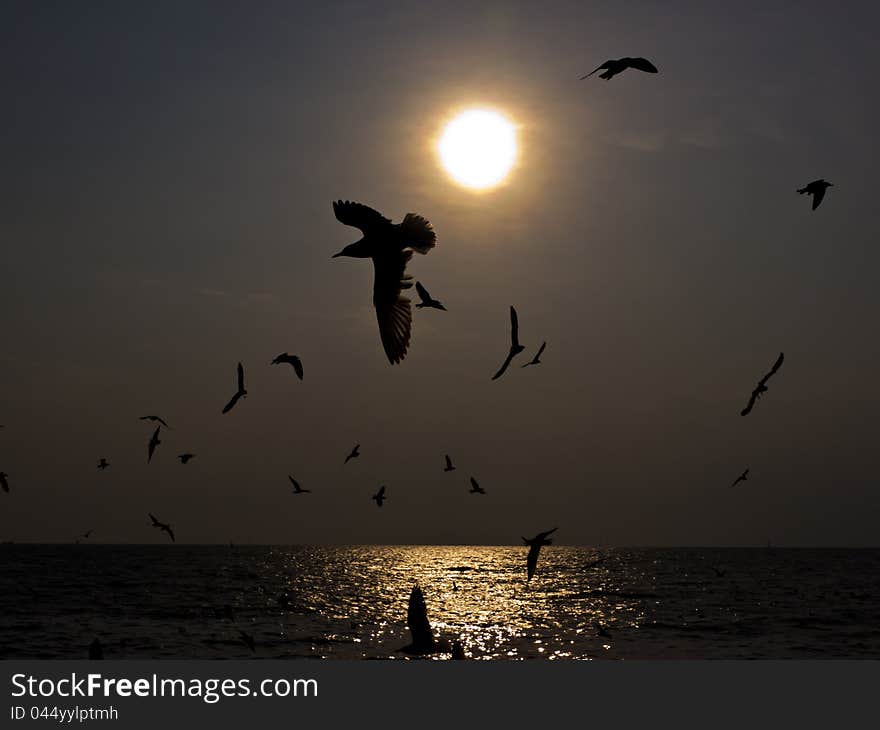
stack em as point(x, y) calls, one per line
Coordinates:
point(418, 234)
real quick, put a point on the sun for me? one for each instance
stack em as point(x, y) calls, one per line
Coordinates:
point(478, 148)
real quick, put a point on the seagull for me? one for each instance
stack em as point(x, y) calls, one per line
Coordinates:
point(379, 496)
point(536, 360)
point(185, 457)
point(817, 189)
point(426, 298)
point(3, 483)
point(423, 641)
point(290, 360)
point(741, 478)
point(84, 536)
point(476, 488)
point(240, 393)
point(515, 347)
point(534, 548)
point(248, 640)
point(153, 443)
point(297, 489)
point(762, 386)
point(162, 526)
point(96, 651)
point(103, 464)
point(354, 453)
point(449, 466)
point(390, 246)
point(613, 67)
point(155, 418)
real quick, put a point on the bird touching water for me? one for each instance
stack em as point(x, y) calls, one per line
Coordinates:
point(390, 246)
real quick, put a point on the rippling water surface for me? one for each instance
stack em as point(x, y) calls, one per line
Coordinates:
point(188, 602)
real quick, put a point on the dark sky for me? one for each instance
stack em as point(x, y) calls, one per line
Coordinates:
point(167, 179)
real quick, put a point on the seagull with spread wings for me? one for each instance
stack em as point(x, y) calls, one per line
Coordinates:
point(761, 388)
point(103, 464)
point(536, 360)
point(153, 443)
point(449, 466)
point(390, 246)
point(240, 393)
point(355, 452)
point(184, 458)
point(379, 496)
point(162, 526)
point(612, 67)
point(741, 478)
point(817, 189)
point(476, 488)
point(515, 347)
point(427, 301)
point(290, 360)
point(534, 548)
point(297, 489)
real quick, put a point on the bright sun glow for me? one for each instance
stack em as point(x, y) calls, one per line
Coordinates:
point(478, 148)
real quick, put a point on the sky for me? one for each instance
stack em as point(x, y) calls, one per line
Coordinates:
point(165, 212)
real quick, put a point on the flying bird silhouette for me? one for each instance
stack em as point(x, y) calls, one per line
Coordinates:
point(184, 458)
point(426, 298)
point(423, 641)
point(297, 489)
point(817, 189)
point(154, 418)
point(240, 393)
point(449, 466)
point(153, 443)
point(354, 453)
point(290, 360)
point(390, 246)
point(534, 548)
point(84, 536)
point(741, 478)
point(613, 67)
point(536, 360)
point(379, 496)
point(476, 488)
point(761, 388)
point(162, 526)
point(3, 481)
point(515, 347)
point(103, 464)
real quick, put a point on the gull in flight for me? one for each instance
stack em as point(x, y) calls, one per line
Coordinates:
point(154, 418)
point(449, 466)
point(536, 360)
point(390, 246)
point(185, 457)
point(290, 360)
point(741, 478)
point(817, 189)
point(423, 641)
point(534, 548)
point(354, 453)
point(153, 443)
point(613, 67)
point(103, 464)
point(297, 489)
point(515, 347)
point(426, 298)
point(240, 393)
point(379, 496)
point(476, 488)
point(761, 388)
point(162, 526)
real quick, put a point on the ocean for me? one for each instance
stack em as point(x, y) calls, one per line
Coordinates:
point(332, 602)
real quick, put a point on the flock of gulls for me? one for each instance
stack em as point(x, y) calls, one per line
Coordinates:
point(390, 247)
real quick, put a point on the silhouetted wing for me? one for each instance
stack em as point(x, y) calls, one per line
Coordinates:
point(475, 485)
point(448, 461)
point(4, 484)
point(544, 535)
point(228, 406)
point(642, 64)
point(773, 370)
point(417, 619)
point(153, 517)
point(423, 293)
point(748, 409)
point(392, 310)
point(514, 328)
point(381, 493)
point(598, 68)
point(532, 559)
point(817, 197)
point(503, 366)
point(170, 532)
point(240, 377)
point(359, 216)
point(297, 367)
point(541, 350)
